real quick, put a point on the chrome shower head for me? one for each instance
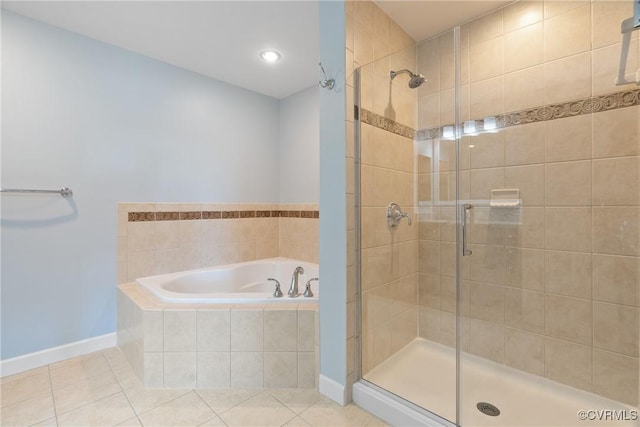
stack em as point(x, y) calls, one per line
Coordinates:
point(415, 81)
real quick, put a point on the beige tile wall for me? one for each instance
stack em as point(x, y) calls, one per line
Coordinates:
point(157, 247)
point(553, 287)
point(388, 159)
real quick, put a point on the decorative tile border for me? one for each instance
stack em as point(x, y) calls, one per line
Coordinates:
point(175, 216)
point(381, 122)
point(612, 101)
point(595, 104)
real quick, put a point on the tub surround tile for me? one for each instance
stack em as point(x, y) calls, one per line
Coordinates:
point(281, 330)
point(247, 330)
point(179, 330)
point(180, 369)
point(214, 330)
point(280, 369)
point(189, 236)
point(266, 343)
point(214, 370)
point(247, 369)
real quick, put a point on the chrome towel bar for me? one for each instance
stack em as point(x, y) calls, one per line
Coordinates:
point(64, 192)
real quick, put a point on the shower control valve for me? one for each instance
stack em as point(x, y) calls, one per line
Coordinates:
point(395, 215)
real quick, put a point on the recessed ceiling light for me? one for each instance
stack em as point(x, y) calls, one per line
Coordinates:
point(270, 55)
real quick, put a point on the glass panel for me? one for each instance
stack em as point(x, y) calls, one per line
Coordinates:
point(408, 296)
point(550, 296)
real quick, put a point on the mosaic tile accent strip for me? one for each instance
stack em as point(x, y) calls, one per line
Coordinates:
point(596, 104)
point(381, 122)
point(191, 215)
point(230, 214)
point(167, 216)
point(141, 216)
point(211, 215)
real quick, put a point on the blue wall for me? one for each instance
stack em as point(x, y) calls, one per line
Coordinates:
point(114, 126)
point(333, 206)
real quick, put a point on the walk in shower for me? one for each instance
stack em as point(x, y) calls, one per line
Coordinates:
point(499, 220)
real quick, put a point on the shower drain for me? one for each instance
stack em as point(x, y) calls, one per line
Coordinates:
point(488, 409)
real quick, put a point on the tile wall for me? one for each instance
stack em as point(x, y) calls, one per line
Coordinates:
point(372, 35)
point(217, 346)
point(158, 238)
point(552, 287)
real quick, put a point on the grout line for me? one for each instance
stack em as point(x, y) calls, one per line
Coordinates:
point(53, 398)
point(122, 390)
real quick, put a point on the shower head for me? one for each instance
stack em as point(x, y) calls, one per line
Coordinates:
point(415, 80)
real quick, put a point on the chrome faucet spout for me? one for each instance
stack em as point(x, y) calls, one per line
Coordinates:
point(293, 289)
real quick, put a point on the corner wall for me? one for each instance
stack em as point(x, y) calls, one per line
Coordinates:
point(113, 126)
point(370, 36)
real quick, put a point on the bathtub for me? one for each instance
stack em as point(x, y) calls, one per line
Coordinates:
point(241, 283)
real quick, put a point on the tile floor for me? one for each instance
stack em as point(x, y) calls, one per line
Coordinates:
point(100, 389)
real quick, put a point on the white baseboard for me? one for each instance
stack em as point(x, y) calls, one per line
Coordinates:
point(332, 389)
point(40, 358)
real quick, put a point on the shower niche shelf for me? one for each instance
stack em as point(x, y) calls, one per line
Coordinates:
point(505, 198)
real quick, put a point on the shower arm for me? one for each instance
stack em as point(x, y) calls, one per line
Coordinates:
point(393, 74)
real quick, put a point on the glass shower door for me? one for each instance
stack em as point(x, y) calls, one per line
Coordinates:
point(407, 174)
point(538, 322)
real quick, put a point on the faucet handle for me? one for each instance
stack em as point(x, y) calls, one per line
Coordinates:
point(277, 293)
point(307, 289)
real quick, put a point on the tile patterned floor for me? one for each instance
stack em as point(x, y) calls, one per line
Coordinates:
point(100, 389)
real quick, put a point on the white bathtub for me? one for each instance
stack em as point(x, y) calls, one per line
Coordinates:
point(242, 283)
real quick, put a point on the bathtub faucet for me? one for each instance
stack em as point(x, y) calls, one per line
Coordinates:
point(293, 290)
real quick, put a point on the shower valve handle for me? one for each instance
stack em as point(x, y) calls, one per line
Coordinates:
point(395, 215)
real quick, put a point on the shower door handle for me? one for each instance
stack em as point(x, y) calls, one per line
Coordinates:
point(466, 213)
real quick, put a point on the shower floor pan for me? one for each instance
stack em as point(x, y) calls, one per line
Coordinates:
point(423, 372)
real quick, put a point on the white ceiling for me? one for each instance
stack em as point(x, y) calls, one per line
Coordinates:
point(219, 39)
point(222, 39)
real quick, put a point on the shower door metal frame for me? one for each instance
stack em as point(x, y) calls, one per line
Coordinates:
point(461, 249)
point(358, 247)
